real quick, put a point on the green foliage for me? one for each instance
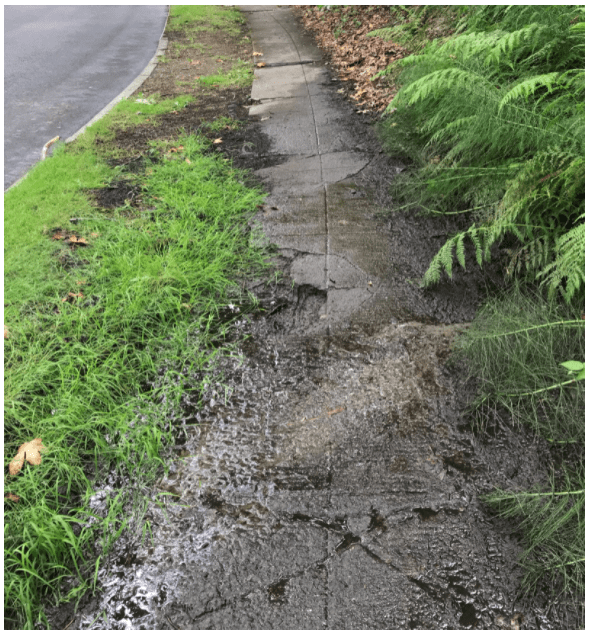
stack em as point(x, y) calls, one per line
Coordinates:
point(199, 17)
point(241, 74)
point(498, 114)
point(516, 348)
point(553, 523)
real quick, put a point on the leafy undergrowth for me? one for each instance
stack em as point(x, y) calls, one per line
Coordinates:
point(100, 306)
point(486, 106)
point(521, 348)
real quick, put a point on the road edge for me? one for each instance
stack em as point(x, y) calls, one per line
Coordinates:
point(131, 88)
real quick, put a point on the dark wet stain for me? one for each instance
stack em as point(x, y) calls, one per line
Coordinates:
point(276, 591)
point(212, 501)
point(468, 615)
point(426, 514)
point(377, 522)
point(347, 541)
point(458, 461)
point(117, 194)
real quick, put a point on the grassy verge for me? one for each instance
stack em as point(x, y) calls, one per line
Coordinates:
point(97, 305)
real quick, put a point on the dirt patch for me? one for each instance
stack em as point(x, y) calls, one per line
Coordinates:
point(117, 194)
point(185, 61)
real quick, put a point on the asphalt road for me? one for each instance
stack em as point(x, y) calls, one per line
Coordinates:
point(62, 65)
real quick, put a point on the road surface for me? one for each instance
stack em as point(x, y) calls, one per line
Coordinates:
point(62, 65)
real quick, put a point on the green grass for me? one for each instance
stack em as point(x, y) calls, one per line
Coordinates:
point(515, 347)
point(78, 374)
point(126, 114)
point(194, 18)
point(222, 123)
point(241, 74)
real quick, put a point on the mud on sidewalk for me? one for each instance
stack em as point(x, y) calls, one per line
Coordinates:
point(331, 481)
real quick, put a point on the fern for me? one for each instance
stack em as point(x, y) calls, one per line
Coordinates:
point(500, 115)
point(527, 87)
point(569, 264)
point(443, 260)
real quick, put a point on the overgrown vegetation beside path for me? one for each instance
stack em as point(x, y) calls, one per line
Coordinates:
point(103, 309)
point(487, 107)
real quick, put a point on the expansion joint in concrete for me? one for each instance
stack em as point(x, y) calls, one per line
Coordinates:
point(279, 64)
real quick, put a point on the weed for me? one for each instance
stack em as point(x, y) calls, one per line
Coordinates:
point(516, 347)
point(222, 123)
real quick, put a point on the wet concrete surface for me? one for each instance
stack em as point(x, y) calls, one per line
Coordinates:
point(331, 481)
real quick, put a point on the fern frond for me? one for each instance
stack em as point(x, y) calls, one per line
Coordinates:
point(510, 43)
point(443, 260)
point(527, 87)
point(569, 264)
point(440, 81)
point(387, 33)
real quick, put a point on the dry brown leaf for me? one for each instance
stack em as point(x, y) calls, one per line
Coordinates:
point(11, 497)
point(6, 332)
point(218, 141)
point(71, 295)
point(57, 236)
point(195, 62)
point(187, 161)
point(256, 54)
point(74, 240)
point(336, 411)
point(29, 451)
point(94, 234)
point(261, 64)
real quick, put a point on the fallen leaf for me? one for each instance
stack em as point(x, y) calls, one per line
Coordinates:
point(261, 64)
point(187, 161)
point(74, 240)
point(336, 411)
point(195, 63)
point(57, 236)
point(71, 295)
point(94, 234)
point(218, 141)
point(29, 451)
point(6, 332)
point(256, 54)
point(11, 497)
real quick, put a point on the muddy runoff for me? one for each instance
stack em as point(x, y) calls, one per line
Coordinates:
point(335, 488)
point(331, 479)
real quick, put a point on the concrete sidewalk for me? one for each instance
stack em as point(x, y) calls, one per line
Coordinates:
point(316, 214)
